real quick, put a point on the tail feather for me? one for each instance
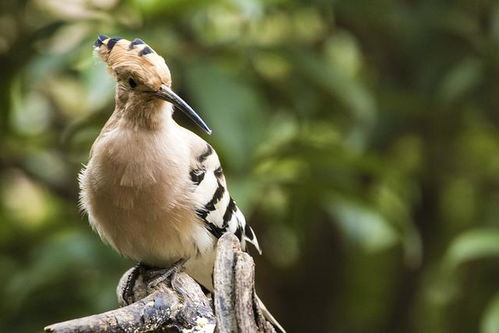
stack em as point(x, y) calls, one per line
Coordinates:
point(268, 315)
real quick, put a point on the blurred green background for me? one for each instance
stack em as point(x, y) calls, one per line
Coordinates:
point(360, 138)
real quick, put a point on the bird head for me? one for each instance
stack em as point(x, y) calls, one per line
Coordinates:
point(141, 73)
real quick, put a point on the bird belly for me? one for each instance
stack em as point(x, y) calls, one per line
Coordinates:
point(156, 236)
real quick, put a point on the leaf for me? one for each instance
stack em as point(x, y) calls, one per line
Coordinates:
point(473, 245)
point(490, 318)
point(363, 225)
point(461, 79)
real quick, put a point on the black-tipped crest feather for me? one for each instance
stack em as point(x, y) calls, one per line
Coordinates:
point(112, 42)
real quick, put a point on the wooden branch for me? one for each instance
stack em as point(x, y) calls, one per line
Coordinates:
point(163, 309)
point(244, 279)
point(178, 304)
point(235, 301)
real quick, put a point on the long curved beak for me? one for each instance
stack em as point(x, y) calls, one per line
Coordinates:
point(167, 94)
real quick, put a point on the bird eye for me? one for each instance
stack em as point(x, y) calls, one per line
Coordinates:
point(132, 83)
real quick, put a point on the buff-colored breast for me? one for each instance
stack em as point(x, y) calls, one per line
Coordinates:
point(136, 191)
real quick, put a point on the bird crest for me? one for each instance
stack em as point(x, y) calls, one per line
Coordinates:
point(136, 58)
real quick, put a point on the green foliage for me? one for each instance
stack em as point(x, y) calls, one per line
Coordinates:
point(473, 245)
point(360, 138)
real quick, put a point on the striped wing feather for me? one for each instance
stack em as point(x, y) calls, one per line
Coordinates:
point(216, 207)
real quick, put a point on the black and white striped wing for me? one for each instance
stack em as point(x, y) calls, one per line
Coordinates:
point(215, 206)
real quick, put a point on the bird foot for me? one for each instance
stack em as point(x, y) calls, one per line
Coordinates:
point(145, 277)
point(128, 290)
point(165, 273)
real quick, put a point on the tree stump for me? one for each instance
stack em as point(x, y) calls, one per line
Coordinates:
point(178, 303)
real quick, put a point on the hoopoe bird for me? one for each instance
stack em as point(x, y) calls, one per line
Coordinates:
point(152, 189)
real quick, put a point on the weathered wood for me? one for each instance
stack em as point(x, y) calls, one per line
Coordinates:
point(244, 289)
point(162, 310)
point(237, 308)
point(177, 303)
point(223, 281)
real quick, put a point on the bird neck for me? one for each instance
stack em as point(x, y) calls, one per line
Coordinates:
point(139, 113)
